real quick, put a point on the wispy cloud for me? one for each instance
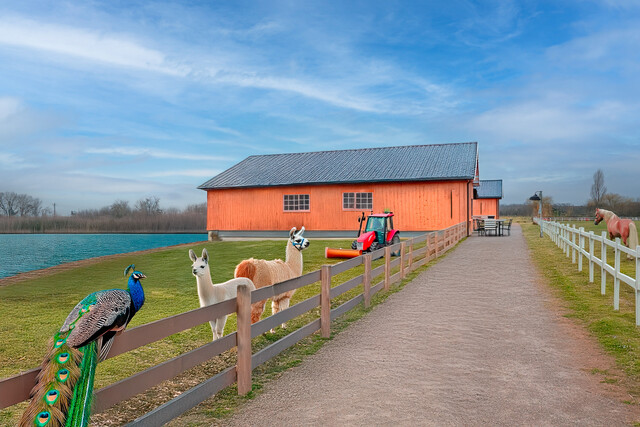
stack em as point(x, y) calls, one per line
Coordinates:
point(152, 152)
point(87, 44)
point(196, 173)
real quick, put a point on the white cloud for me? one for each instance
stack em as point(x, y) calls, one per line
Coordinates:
point(92, 45)
point(196, 173)
point(153, 152)
point(9, 107)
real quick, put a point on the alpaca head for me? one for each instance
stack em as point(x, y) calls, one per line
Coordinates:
point(297, 240)
point(200, 266)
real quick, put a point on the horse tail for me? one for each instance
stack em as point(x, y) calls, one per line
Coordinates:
point(633, 236)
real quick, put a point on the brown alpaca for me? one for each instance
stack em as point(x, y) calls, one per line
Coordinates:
point(266, 273)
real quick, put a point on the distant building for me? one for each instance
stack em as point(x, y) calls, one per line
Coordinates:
point(428, 187)
point(486, 198)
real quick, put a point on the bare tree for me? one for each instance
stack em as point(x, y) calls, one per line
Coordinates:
point(149, 206)
point(120, 208)
point(598, 189)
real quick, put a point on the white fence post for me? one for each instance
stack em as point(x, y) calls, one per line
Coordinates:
point(616, 279)
point(603, 257)
point(637, 285)
point(581, 247)
point(591, 249)
point(573, 244)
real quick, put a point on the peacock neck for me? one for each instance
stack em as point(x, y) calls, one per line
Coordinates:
point(137, 293)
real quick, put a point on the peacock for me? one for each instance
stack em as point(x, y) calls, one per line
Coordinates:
point(64, 387)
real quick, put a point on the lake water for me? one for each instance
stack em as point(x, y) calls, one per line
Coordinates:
point(25, 252)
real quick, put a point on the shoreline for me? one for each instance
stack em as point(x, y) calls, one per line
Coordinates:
point(27, 275)
point(103, 232)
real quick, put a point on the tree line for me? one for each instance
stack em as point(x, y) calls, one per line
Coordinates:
point(600, 198)
point(21, 213)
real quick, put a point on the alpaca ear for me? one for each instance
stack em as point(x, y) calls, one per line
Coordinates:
point(301, 230)
point(205, 255)
point(292, 232)
point(192, 255)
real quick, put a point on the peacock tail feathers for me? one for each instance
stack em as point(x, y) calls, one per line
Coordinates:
point(80, 407)
point(54, 385)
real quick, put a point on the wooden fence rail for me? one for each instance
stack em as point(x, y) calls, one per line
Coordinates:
point(580, 244)
point(16, 389)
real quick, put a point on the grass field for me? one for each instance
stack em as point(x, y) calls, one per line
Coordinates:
point(616, 331)
point(32, 311)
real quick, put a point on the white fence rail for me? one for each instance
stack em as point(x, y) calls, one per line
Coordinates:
point(580, 244)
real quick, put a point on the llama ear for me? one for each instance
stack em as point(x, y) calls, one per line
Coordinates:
point(292, 232)
point(192, 255)
point(301, 230)
point(205, 255)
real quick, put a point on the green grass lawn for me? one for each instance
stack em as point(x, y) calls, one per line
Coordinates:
point(33, 310)
point(615, 330)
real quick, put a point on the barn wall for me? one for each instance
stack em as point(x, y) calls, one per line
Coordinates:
point(484, 207)
point(417, 206)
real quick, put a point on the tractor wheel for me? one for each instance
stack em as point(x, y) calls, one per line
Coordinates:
point(354, 245)
point(374, 246)
point(396, 239)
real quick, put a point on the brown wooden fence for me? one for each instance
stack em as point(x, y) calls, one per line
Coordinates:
point(17, 388)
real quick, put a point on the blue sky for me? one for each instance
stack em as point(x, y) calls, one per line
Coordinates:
point(106, 100)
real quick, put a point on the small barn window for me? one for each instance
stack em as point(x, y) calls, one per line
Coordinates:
point(357, 201)
point(296, 202)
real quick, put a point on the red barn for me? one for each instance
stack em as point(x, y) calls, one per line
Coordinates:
point(428, 187)
point(486, 198)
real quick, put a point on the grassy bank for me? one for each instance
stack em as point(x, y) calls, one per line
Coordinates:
point(615, 331)
point(32, 311)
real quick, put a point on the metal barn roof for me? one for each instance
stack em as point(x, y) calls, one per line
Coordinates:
point(489, 189)
point(387, 164)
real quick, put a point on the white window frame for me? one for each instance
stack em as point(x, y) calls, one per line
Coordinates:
point(294, 202)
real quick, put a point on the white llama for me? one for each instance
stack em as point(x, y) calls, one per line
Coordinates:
point(266, 273)
point(210, 293)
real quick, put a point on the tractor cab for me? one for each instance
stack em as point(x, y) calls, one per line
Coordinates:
point(380, 224)
point(378, 232)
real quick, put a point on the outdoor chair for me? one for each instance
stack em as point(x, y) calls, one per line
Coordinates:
point(490, 225)
point(478, 225)
point(507, 226)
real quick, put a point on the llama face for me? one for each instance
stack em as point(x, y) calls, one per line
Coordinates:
point(200, 265)
point(297, 240)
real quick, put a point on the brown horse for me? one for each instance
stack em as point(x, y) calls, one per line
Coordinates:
point(617, 227)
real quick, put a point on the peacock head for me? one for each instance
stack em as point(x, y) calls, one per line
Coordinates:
point(137, 275)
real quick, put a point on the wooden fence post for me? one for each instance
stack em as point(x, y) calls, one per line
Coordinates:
point(366, 280)
point(437, 239)
point(387, 268)
point(616, 278)
point(581, 248)
point(591, 249)
point(325, 301)
point(402, 253)
point(410, 256)
point(603, 257)
point(243, 367)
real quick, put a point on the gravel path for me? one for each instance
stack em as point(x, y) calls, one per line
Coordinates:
point(474, 340)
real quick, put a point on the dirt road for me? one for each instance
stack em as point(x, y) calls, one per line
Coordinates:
point(474, 340)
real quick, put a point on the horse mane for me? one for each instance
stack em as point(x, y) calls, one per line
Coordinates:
point(606, 214)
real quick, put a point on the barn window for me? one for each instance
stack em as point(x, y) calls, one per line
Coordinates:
point(357, 201)
point(296, 202)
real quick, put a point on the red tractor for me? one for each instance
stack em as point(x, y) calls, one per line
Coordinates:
point(378, 233)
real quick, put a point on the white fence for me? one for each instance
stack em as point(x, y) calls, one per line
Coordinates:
point(579, 244)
